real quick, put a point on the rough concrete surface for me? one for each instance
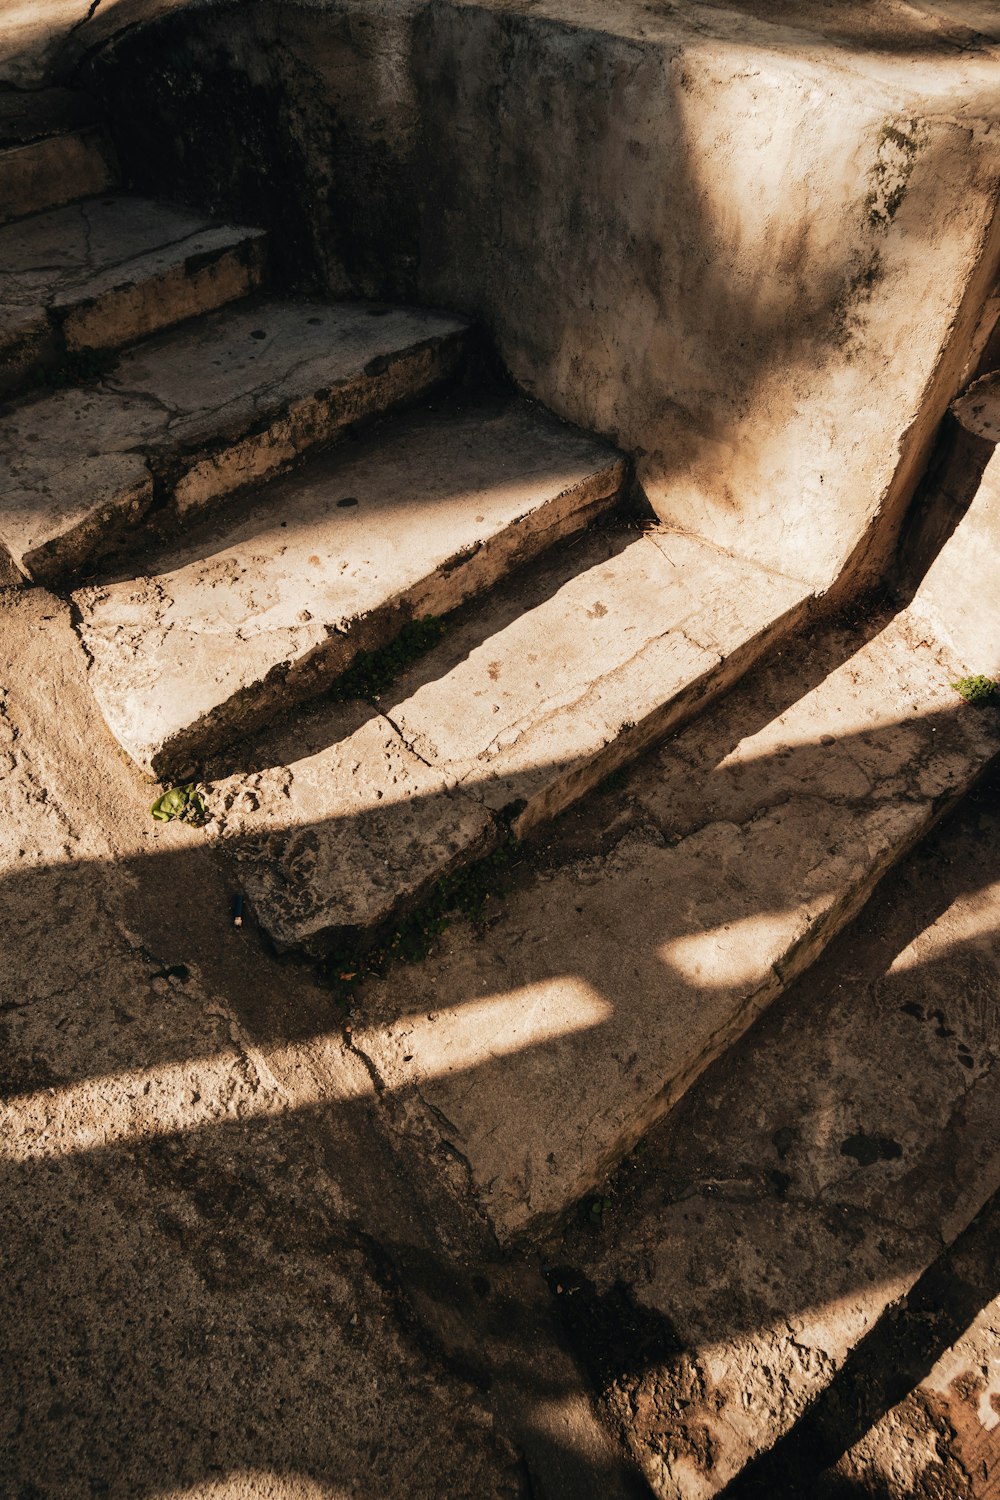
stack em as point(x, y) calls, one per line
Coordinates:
point(219, 1278)
point(107, 271)
point(804, 1183)
point(269, 606)
point(538, 693)
point(207, 409)
point(57, 169)
point(942, 1439)
point(749, 243)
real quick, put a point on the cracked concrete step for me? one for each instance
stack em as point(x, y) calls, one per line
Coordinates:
point(258, 611)
point(190, 416)
point(765, 826)
point(772, 1242)
point(538, 695)
point(111, 270)
point(54, 170)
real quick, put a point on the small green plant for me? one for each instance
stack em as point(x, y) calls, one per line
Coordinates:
point(976, 690)
point(183, 804)
point(371, 672)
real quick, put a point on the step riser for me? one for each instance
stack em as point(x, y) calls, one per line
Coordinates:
point(131, 312)
point(458, 581)
point(54, 171)
point(135, 312)
point(249, 459)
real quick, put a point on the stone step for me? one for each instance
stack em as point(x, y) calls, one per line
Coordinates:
point(751, 839)
point(54, 170)
point(190, 416)
point(108, 271)
point(768, 1260)
point(262, 609)
point(351, 814)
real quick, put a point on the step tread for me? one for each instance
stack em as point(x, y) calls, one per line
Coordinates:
point(116, 268)
point(30, 114)
point(60, 257)
point(615, 628)
point(53, 170)
point(260, 608)
point(210, 407)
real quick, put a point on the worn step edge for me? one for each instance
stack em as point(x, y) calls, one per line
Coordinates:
point(466, 574)
point(315, 933)
point(185, 480)
point(275, 442)
point(54, 170)
point(136, 298)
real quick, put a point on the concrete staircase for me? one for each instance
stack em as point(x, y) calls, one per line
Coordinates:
point(246, 496)
point(229, 560)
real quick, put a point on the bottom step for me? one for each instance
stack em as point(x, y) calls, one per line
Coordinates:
point(534, 699)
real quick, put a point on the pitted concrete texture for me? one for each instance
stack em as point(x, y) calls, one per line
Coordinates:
point(749, 243)
point(765, 826)
point(978, 408)
point(803, 1186)
point(943, 1439)
point(268, 607)
point(353, 829)
point(523, 707)
point(55, 170)
point(219, 1279)
point(107, 271)
point(207, 409)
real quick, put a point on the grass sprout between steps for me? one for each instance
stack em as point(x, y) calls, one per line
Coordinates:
point(975, 690)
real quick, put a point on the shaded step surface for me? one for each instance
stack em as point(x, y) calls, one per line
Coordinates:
point(733, 1281)
point(202, 411)
point(56, 169)
point(107, 271)
point(537, 695)
point(760, 830)
point(30, 114)
point(266, 608)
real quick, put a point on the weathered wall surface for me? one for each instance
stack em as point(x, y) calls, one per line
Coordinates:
point(753, 251)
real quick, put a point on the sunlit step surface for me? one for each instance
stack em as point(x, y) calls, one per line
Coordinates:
point(761, 830)
point(535, 698)
point(190, 416)
point(111, 270)
point(262, 610)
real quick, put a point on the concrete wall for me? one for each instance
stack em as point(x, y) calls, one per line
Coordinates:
point(755, 252)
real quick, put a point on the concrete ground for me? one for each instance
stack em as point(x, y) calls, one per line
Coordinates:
point(220, 1276)
point(230, 1267)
